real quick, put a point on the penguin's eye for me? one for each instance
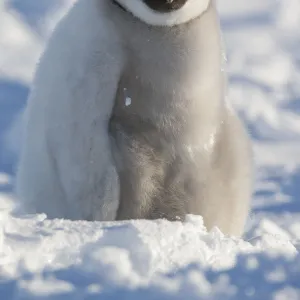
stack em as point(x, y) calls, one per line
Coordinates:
point(165, 6)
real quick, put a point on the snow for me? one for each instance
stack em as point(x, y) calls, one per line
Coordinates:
point(152, 259)
point(60, 259)
point(128, 101)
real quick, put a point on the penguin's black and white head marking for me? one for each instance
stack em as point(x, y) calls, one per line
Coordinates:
point(165, 12)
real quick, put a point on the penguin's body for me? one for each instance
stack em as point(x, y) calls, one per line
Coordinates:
point(139, 126)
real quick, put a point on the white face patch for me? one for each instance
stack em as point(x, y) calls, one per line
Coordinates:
point(191, 10)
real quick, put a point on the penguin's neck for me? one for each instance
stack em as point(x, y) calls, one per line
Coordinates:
point(173, 79)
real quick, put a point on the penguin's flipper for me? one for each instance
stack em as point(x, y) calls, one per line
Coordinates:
point(66, 168)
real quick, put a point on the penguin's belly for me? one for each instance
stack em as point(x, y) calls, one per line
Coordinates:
point(155, 169)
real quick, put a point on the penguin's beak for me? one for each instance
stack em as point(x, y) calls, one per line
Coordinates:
point(165, 6)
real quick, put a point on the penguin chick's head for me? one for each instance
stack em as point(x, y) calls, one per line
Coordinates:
point(165, 12)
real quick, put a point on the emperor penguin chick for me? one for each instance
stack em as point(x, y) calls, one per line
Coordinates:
point(128, 118)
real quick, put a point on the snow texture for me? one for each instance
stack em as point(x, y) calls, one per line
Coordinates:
point(59, 259)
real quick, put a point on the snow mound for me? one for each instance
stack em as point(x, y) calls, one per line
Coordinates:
point(58, 259)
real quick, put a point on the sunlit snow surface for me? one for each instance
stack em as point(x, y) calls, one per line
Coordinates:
point(41, 259)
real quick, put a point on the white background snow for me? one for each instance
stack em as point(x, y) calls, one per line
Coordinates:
point(42, 259)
